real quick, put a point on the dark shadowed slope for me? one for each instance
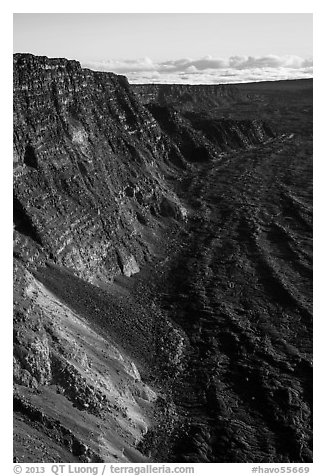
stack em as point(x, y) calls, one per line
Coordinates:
point(162, 261)
point(242, 288)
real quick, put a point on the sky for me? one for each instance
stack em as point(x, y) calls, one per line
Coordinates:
point(175, 48)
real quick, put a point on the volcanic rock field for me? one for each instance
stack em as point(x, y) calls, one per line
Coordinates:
point(162, 269)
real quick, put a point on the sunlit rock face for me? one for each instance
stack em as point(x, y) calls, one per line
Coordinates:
point(89, 192)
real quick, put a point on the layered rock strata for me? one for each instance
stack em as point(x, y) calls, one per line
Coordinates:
point(94, 203)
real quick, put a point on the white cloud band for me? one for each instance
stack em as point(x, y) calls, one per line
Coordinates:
point(209, 70)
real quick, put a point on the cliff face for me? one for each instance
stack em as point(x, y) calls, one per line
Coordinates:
point(86, 155)
point(94, 200)
point(90, 202)
point(187, 97)
point(197, 118)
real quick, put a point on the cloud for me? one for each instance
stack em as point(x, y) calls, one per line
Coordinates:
point(209, 70)
point(122, 66)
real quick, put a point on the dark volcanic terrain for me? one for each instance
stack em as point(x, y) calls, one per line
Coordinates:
point(162, 269)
